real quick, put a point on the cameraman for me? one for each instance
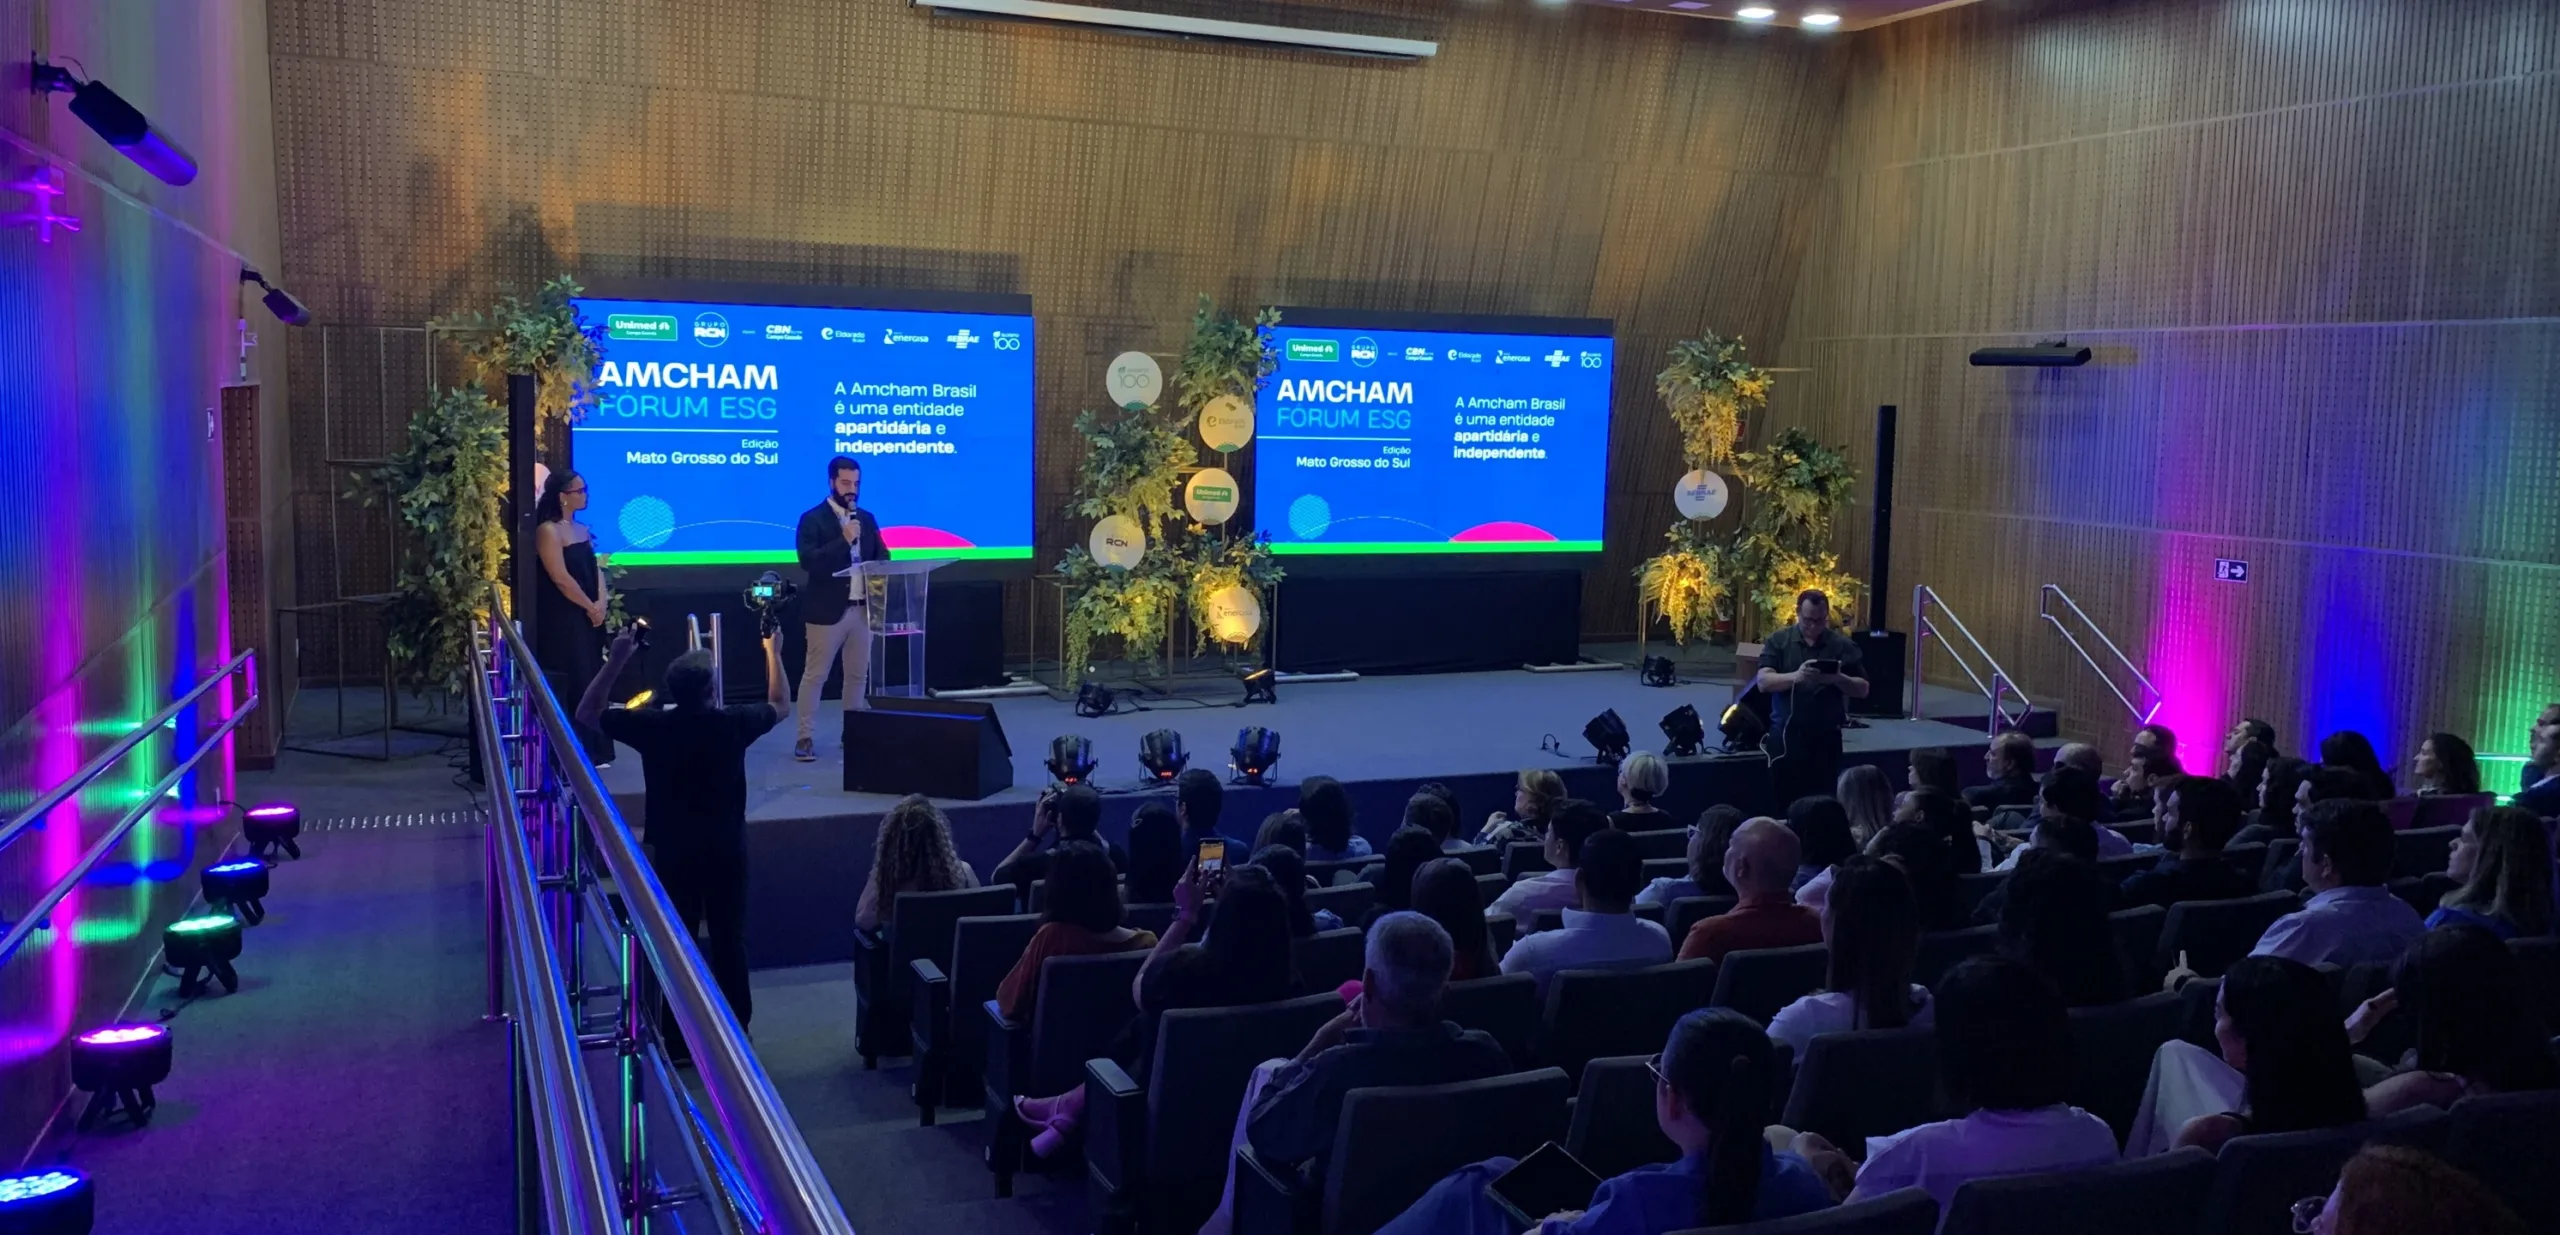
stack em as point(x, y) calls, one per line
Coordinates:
point(1073, 812)
point(693, 761)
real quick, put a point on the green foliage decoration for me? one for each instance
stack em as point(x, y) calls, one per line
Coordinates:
point(443, 486)
point(1711, 388)
point(1225, 356)
point(1214, 565)
point(1135, 604)
point(1132, 466)
point(543, 336)
point(1686, 583)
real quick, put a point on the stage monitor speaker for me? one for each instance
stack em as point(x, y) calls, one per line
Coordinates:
point(941, 748)
point(1886, 652)
point(1880, 544)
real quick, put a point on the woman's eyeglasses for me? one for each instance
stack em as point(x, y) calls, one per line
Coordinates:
point(1654, 1066)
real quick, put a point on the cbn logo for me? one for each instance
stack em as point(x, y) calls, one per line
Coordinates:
point(1316, 349)
point(710, 330)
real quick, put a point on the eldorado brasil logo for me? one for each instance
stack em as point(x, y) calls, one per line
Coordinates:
point(1314, 349)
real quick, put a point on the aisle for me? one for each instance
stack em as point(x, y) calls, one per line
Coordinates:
point(350, 1083)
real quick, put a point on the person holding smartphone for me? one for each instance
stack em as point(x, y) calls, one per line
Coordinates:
point(1063, 813)
point(1712, 1095)
point(1809, 671)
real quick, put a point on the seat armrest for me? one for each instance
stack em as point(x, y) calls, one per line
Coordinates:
point(929, 1011)
point(1008, 1049)
point(1115, 1118)
point(1270, 1200)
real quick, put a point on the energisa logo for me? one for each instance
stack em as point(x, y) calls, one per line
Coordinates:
point(710, 329)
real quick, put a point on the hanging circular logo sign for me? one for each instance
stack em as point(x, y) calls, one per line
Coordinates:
point(1117, 540)
point(1134, 380)
point(1702, 495)
point(1234, 614)
point(1226, 424)
point(1211, 496)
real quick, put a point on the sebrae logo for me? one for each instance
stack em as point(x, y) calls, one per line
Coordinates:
point(710, 329)
point(1315, 349)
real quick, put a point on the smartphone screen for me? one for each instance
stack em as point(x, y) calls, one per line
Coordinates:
point(1547, 1181)
point(1213, 856)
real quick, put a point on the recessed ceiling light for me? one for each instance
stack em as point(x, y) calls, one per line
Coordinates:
point(1688, 5)
point(1755, 12)
point(1821, 19)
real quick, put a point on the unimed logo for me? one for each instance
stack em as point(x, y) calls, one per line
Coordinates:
point(1213, 493)
point(641, 327)
point(1314, 349)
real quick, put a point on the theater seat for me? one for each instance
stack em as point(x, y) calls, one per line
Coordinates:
point(2509, 1141)
point(2197, 1001)
point(920, 926)
point(2137, 933)
point(2111, 1050)
point(1482, 859)
point(1504, 930)
point(1489, 888)
point(1759, 981)
point(1665, 868)
point(2118, 869)
point(1867, 1082)
point(1349, 901)
point(2424, 892)
point(1974, 888)
point(1334, 871)
point(1907, 1211)
point(1590, 1013)
point(2247, 857)
point(1328, 959)
point(1689, 910)
point(1613, 1129)
point(1664, 843)
point(2538, 970)
point(2451, 810)
point(1941, 951)
point(2282, 870)
point(1156, 1155)
point(1393, 1144)
point(1153, 918)
point(1525, 857)
point(1505, 1007)
point(2256, 1179)
point(2213, 934)
point(2147, 1196)
point(1082, 1004)
point(2422, 851)
point(950, 1050)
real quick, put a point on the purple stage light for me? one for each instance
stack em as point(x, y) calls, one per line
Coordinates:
point(117, 1066)
point(119, 1035)
point(239, 886)
point(272, 826)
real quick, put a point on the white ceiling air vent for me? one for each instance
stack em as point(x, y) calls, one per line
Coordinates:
point(1163, 25)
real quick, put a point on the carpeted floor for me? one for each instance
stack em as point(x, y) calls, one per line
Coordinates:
point(893, 1177)
point(350, 1084)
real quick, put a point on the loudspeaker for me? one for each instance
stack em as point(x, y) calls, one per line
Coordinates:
point(1886, 652)
point(941, 748)
point(1880, 544)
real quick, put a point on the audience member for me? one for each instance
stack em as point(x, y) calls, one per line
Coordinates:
point(1431, 813)
point(1712, 1095)
point(1534, 801)
point(1433, 788)
point(1062, 815)
point(1198, 801)
point(2279, 795)
point(1573, 823)
point(2503, 862)
point(1642, 778)
point(1759, 863)
point(1284, 828)
point(2284, 1065)
point(2198, 814)
point(1392, 882)
point(2397, 1190)
point(1289, 874)
point(1922, 858)
point(1391, 1034)
point(2155, 746)
point(2445, 765)
point(2246, 770)
point(2475, 1027)
point(1604, 933)
point(912, 854)
point(2068, 806)
point(2010, 762)
point(1944, 815)
point(2541, 793)
point(1707, 840)
point(2055, 921)
point(1444, 890)
point(2004, 1052)
point(1326, 807)
point(1934, 767)
point(2353, 752)
point(1082, 919)
point(2250, 729)
point(2350, 919)
point(1868, 798)
point(1156, 855)
point(2083, 756)
point(1244, 959)
point(1873, 926)
point(2136, 794)
point(1821, 824)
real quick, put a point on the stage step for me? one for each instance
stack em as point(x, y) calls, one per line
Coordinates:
point(2041, 723)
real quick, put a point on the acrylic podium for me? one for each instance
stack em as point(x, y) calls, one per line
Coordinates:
point(906, 741)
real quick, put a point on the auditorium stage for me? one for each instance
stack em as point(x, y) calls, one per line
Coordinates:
point(809, 842)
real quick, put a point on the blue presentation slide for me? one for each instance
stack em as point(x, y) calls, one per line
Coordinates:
point(714, 423)
point(1428, 441)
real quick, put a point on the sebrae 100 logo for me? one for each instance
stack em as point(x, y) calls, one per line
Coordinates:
point(710, 329)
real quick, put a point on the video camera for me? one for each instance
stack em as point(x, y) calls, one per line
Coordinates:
point(765, 598)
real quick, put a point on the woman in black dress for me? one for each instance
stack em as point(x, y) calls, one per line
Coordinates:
point(569, 610)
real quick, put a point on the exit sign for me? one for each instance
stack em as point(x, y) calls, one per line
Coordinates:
point(2230, 570)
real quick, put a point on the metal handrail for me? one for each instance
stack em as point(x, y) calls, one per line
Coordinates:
point(539, 755)
point(568, 1141)
point(36, 916)
point(1924, 628)
point(2044, 609)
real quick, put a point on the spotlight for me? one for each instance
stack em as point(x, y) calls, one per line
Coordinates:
point(120, 123)
point(1095, 699)
point(1658, 671)
point(117, 1066)
point(1755, 12)
point(1162, 754)
point(53, 1200)
point(239, 886)
point(1260, 685)
point(1256, 750)
point(207, 943)
point(1070, 759)
point(1607, 735)
point(1742, 728)
point(287, 309)
point(272, 826)
point(1683, 730)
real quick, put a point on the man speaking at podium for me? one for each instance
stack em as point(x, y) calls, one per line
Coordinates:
point(835, 535)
